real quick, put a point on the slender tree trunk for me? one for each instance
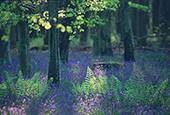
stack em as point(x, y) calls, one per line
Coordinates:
point(23, 48)
point(54, 51)
point(113, 25)
point(84, 37)
point(150, 15)
point(64, 37)
point(46, 37)
point(127, 33)
point(13, 37)
point(141, 25)
point(5, 57)
point(102, 44)
point(96, 42)
point(64, 47)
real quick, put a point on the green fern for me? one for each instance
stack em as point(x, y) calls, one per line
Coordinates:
point(16, 85)
point(144, 93)
point(98, 85)
point(33, 87)
point(3, 91)
point(158, 95)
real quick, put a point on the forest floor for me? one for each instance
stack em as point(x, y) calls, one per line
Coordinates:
point(151, 67)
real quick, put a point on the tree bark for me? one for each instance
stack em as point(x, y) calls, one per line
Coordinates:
point(23, 48)
point(13, 37)
point(126, 33)
point(5, 57)
point(84, 37)
point(102, 44)
point(54, 51)
point(46, 37)
point(64, 37)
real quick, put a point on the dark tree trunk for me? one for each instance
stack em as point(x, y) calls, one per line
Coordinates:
point(13, 37)
point(150, 17)
point(113, 23)
point(96, 42)
point(23, 48)
point(161, 20)
point(54, 51)
point(64, 46)
point(140, 24)
point(102, 44)
point(85, 34)
point(126, 31)
point(46, 37)
point(64, 37)
point(4, 50)
point(84, 37)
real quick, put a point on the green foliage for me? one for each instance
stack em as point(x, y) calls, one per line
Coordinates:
point(138, 92)
point(115, 40)
point(7, 14)
point(5, 38)
point(74, 41)
point(36, 42)
point(158, 97)
point(33, 87)
point(102, 5)
point(16, 85)
point(138, 6)
point(97, 85)
point(8, 87)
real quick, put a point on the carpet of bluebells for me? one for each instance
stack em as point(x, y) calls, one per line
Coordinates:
point(151, 67)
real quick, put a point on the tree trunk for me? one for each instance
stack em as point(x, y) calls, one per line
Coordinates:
point(150, 15)
point(54, 51)
point(23, 48)
point(64, 37)
point(113, 25)
point(102, 44)
point(46, 37)
point(141, 25)
point(84, 37)
point(127, 33)
point(13, 37)
point(5, 57)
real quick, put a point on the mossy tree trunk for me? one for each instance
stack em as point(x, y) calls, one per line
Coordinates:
point(150, 17)
point(23, 48)
point(126, 31)
point(113, 23)
point(54, 51)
